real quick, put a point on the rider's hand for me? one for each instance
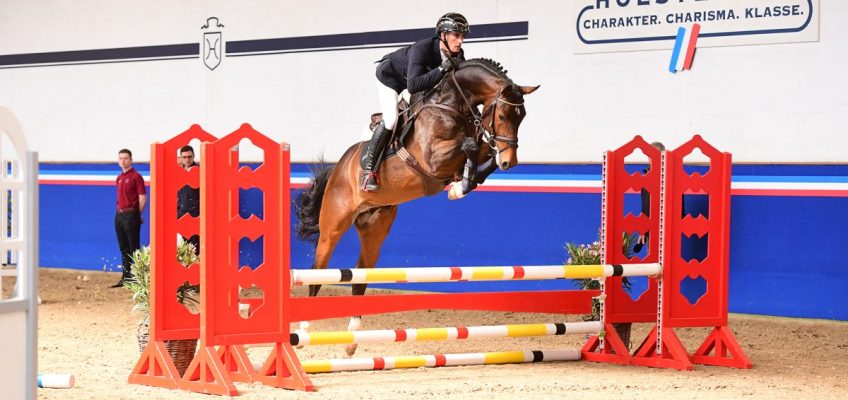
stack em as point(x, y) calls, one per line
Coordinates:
point(447, 65)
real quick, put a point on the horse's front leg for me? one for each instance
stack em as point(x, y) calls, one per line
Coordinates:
point(485, 169)
point(468, 183)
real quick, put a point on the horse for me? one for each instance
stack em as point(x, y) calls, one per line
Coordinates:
point(470, 117)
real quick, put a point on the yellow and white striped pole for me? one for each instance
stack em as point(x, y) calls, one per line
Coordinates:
point(451, 333)
point(448, 274)
point(439, 360)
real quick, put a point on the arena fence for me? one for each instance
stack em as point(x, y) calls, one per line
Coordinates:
point(19, 251)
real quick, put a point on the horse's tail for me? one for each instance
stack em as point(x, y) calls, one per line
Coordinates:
point(308, 203)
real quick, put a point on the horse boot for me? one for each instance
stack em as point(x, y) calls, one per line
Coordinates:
point(370, 158)
point(468, 183)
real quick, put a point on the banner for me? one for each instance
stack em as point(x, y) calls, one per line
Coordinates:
point(631, 25)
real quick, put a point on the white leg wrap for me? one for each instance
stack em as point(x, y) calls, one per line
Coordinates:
point(355, 324)
point(455, 192)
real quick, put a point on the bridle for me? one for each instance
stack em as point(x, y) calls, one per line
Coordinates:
point(489, 136)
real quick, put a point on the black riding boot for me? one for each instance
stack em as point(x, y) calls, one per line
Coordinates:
point(373, 150)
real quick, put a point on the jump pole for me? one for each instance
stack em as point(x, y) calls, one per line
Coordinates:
point(462, 274)
point(450, 333)
point(439, 360)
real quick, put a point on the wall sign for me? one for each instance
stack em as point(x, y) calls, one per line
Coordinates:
point(628, 25)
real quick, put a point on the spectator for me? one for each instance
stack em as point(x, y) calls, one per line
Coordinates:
point(188, 198)
point(132, 198)
point(646, 204)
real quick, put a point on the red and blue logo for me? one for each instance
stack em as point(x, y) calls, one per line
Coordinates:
point(684, 45)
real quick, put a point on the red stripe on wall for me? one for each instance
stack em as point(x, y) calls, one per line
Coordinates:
point(539, 189)
point(693, 40)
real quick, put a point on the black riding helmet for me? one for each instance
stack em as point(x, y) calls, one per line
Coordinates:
point(452, 22)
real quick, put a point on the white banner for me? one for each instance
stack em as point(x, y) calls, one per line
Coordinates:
point(628, 25)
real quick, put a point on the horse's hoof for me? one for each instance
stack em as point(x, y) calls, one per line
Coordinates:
point(455, 191)
point(350, 349)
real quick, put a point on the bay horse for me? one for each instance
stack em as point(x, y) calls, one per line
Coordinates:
point(476, 102)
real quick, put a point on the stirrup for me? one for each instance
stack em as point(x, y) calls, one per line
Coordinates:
point(370, 181)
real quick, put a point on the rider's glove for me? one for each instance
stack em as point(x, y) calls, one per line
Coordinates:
point(447, 65)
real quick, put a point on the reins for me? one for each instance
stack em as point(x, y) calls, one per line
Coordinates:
point(491, 138)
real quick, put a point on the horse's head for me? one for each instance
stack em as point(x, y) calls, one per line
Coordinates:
point(502, 116)
point(499, 106)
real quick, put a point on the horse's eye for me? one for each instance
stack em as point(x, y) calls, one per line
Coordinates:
point(501, 117)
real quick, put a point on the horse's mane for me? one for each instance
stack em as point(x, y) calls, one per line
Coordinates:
point(489, 64)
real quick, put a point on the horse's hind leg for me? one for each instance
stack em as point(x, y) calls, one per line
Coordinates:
point(334, 223)
point(373, 226)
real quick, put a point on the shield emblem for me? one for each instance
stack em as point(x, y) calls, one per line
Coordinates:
point(213, 46)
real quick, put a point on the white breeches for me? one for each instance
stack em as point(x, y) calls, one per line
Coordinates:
point(388, 104)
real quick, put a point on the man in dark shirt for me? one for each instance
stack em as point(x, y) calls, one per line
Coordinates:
point(642, 240)
point(188, 198)
point(132, 198)
point(416, 68)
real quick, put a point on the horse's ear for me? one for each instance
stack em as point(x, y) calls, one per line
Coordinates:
point(528, 89)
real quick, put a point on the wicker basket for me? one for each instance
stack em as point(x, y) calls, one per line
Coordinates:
point(181, 351)
point(623, 330)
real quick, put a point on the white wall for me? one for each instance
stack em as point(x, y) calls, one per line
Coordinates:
point(764, 103)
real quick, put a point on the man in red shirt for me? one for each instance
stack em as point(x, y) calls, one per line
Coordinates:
point(132, 198)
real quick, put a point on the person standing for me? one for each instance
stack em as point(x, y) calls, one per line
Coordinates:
point(188, 198)
point(645, 196)
point(131, 200)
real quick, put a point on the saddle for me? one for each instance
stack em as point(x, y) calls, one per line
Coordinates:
point(405, 124)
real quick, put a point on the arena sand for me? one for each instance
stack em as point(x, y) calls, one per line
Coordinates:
point(86, 328)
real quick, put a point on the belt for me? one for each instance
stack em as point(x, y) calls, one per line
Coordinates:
point(127, 210)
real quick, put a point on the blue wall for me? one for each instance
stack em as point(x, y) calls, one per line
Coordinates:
point(786, 253)
point(787, 256)
point(77, 227)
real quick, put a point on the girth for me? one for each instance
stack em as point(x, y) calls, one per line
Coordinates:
point(432, 183)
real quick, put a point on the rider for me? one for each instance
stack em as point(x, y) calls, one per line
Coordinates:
point(417, 68)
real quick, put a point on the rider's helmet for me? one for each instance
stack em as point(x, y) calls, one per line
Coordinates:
point(452, 22)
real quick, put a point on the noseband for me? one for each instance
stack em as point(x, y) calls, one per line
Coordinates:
point(490, 137)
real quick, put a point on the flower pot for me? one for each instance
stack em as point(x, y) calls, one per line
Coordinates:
point(623, 330)
point(181, 351)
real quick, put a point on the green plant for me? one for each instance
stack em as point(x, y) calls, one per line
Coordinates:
point(590, 254)
point(187, 253)
point(139, 283)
